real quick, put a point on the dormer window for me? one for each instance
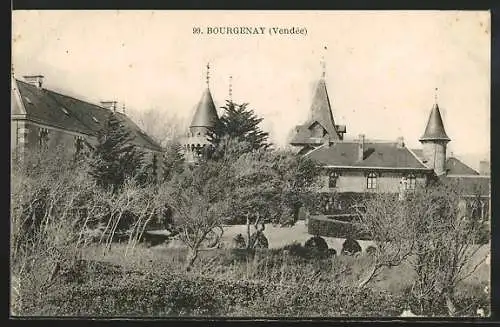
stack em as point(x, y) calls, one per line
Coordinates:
point(95, 119)
point(65, 111)
point(332, 179)
point(371, 181)
point(28, 100)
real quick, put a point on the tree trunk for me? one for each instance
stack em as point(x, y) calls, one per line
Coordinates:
point(370, 276)
point(191, 258)
point(248, 233)
point(450, 305)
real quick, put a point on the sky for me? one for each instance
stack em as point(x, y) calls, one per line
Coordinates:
point(382, 68)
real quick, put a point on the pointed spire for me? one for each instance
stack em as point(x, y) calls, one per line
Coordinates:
point(205, 114)
point(323, 63)
point(434, 130)
point(321, 110)
point(208, 74)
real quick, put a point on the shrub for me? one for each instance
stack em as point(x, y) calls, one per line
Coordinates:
point(316, 243)
point(350, 246)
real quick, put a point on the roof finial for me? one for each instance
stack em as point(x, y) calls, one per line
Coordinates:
point(123, 108)
point(231, 88)
point(323, 63)
point(208, 74)
point(436, 95)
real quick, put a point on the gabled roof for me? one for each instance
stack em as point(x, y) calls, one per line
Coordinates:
point(205, 114)
point(376, 155)
point(68, 113)
point(419, 153)
point(457, 167)
point(303, 134)
point(16, 106)
point(435, 128)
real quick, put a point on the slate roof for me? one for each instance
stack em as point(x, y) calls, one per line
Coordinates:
point(470, 185)
point(435, 127)
point(457, 167)
point(205, 114)
point(65, 112)
point(320, 112)
point(376, 155)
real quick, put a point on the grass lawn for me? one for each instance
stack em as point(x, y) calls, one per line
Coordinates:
point(172, 254)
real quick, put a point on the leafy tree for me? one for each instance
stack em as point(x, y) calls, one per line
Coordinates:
point(268, 186)
point(239, 122)
point(199, 199)
point(114, 158)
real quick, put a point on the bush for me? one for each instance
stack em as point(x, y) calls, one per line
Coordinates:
point(316, 243)
point(350, 247)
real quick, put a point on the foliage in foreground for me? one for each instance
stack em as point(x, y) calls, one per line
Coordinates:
point(99, 289)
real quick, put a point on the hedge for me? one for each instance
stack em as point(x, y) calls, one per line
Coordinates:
point(115, 292)
point(327, 227)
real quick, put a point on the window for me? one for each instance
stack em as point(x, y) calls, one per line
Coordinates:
point(332, 179)
point(65, 111)
point(411, 182)
point(371, 181)
point(95, 119)
point(43, 137)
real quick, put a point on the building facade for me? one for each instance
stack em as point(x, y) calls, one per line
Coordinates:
point(353, 167)
point(45, 119)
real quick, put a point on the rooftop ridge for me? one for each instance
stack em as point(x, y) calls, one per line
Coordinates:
point(68, 96)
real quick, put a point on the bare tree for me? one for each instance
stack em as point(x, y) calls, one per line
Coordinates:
point(160, 124)
point(52, 203)
point(447, 247)
point(430, 230)
point(391, 228)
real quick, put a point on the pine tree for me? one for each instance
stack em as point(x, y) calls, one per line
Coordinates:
point(239, 122)
point(173, 160)
point(148, 172)
point(114, 158)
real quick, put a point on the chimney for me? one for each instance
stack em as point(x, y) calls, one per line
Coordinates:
point(361, 147)
point(484, 167)
point(401, 142)
point(36, 80)
point(111, 105)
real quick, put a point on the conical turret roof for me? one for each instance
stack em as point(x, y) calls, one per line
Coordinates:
point(205, 114)
point(435, 128)
point(321, 110)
